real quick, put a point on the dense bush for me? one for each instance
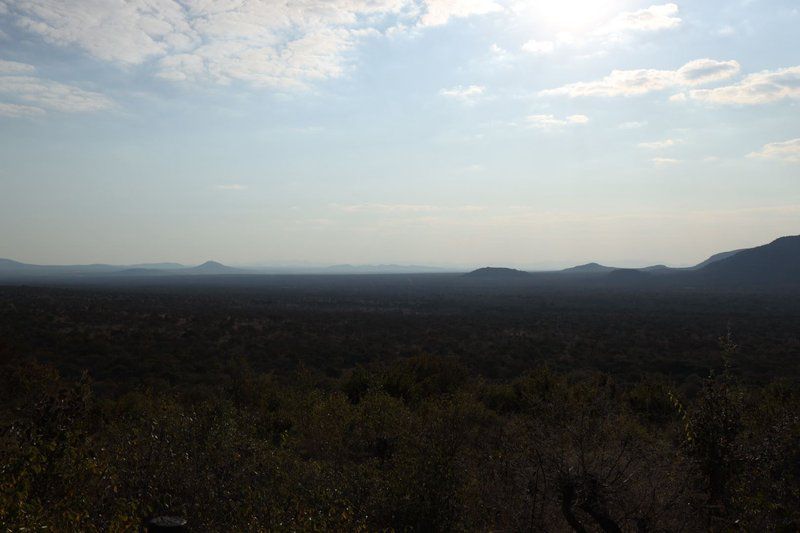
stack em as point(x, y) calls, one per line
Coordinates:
point(418, 445)
point(372, 407)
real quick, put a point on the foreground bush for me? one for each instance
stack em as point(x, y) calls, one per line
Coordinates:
point(418, 445)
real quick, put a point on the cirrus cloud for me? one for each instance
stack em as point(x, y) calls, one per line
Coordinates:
point(653, 18)
point(278, 45)
point(658, 145)
point(13, 67)
point(33, 95)
point(539, 47)
point(439, 12)
point(53, 95)
point(16, 110)
point(664, 161)
point(551, 121)
point(466, 95)
point(787, 151)
point(642, 81)
point(763, 87)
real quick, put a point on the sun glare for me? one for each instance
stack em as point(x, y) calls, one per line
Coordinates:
point(570, 16)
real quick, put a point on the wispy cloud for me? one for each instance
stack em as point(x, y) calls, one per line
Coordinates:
point(232, 187)
point(467, 94)
point(632, 125)
point(664, 161)
point(658, 145)
point(760, 88)
point(653, 18)
point(33, 95)
point(787, 151)
point(472, 169)
point(498, 52)
point(15, 110)
point(277, 45)
point(643, 81)
point(438, 12)
point(13, 67)
point(539, 47)
point(404, 208)
point(551, 121)
point(620, 28)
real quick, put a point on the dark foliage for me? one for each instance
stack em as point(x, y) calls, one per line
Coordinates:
point(406, 410)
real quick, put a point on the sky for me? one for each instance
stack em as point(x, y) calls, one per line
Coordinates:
point(438, 132)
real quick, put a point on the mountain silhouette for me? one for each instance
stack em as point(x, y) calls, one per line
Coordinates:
point(776, 263)
point(209, 268)
point(657, 268)
point(498, 273)
point(718, 257)
point(588, 268)
point(380, 269)
point(15, 269)
point(10, 268)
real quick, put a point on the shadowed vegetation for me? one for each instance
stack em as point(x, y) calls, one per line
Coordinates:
point(441, 440)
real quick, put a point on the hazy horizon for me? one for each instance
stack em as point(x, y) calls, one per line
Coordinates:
point(425, 132)
point(300, 266)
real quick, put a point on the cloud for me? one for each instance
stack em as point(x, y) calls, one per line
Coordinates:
point(471, 169)
point(15, 110)
point(550, 121)
point(232, 187)
point(654, 18)
point(618, 29)
point(53, 95)
point(787, 151)
point(643, 81)
point(577, 119)
point(702, 71)
point(760, 88)
point(265, 43)
point(498, 51)
point(439, 12)
point(726, 31)
point(539, 47)
point(658, 145)
point(404, 208)
point(664, 161)
point(466, 95)
point(618, 83)
point(123, 31)
point(632, 125)
point(12, 67)
point(43, 93)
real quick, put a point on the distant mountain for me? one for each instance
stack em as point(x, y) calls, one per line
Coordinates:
point(9, 265)
point(629, 274)
point(210, 268)
point(157, 266)
point(776, 263)
point(718, 257)
point(381, 269)
point(10, 268)
point(658, 269)
point(497, 273)
point(15, 269)
point(588, 268)
point(136, 272)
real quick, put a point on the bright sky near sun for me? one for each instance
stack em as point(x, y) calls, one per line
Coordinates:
point(443, 132)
